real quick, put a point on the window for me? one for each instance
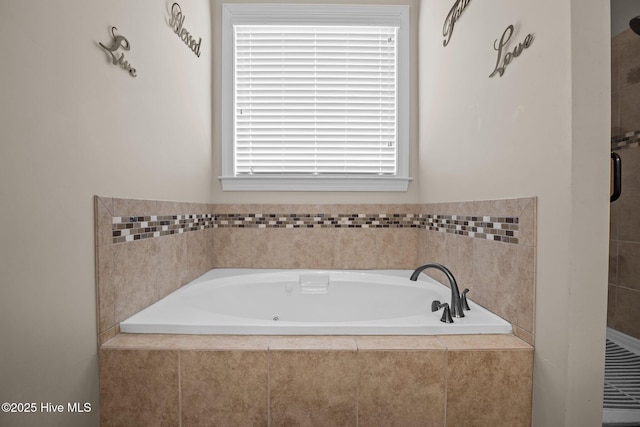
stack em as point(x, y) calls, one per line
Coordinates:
point(315, 98)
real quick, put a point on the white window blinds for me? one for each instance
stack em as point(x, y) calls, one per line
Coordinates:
point(315, 100)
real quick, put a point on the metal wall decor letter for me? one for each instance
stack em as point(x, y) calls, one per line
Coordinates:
point(116, 43)
point(177, 22)
point(503, 61)
point(454, 14)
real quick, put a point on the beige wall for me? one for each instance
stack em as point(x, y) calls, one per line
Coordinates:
point(73, 125)
point(541, 129)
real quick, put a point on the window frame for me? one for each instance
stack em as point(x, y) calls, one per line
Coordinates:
point(296, 14)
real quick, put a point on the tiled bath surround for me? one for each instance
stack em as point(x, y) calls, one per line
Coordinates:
point(301, 381)
point(290, 380)
point(147, 249)
point(624, 248)
point(501, 277)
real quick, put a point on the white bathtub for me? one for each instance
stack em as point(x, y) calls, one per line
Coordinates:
point(309, 302)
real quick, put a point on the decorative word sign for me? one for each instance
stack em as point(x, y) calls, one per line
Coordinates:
point(177, 23)
point(454, 14)
point(117, 43)
point(504, 60)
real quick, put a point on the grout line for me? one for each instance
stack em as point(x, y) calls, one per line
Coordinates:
point(179, 389)
point(446, 384)
point(358, 363)
point(268, 352)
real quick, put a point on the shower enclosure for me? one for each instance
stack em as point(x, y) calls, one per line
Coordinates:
point(622, 370)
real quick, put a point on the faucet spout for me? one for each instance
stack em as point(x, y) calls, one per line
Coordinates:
point(456, 303)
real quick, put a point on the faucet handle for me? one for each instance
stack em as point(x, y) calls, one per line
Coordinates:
point(463, 300)
point(446, 313)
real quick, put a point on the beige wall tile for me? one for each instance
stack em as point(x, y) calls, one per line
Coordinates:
point(236, 248)
point(435, 251)
point(612, 296)
point(394, 248)
point(132, 287)
point(615, 115)
point(401, 388)
point(526, 288)
point(146, 271)
point(225, 388)
point(629, 108)
point(188, 342)
point(630, 172)
point(313, 388)
point(482, 342)
point(170, 264)
point(105, 288)
point(613, 261)
point(133, 207)
point(628, 265)
point(398, 343)
point(504, 280)
point(628, 61)
point(138, 388)
point(198, 257)
point(103, 220)
point(523, 335)
point(302, 248)
point(489, 388)
point(627, 315)
point(613, 220)
point(345, 343)
point(629, 220)
point(527, 228)
point(354, 248)
point(459, 259)
point(108, 335)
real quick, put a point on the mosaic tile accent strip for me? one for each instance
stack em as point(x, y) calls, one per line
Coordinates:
point(131, 228)
point(628, 140)
point(500, 229)
point(319, 220)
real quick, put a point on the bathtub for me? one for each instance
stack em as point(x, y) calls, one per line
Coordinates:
point(310, 302)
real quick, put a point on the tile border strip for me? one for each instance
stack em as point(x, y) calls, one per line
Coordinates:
point(628, 140)
point(500, 229)
point(132, 228)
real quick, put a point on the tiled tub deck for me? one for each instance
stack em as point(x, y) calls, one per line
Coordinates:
point(193, 380)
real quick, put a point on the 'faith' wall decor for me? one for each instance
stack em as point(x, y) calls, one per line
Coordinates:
point(454, 14)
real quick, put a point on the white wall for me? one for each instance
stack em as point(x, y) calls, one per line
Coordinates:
point(540, 130)
point(73, 125)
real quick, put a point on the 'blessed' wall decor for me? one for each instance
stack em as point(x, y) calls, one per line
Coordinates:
point(177, 23)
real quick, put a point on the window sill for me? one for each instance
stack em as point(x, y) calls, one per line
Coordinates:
point(316, 183)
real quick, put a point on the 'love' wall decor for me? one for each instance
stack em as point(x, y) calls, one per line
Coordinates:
point(505, 59)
